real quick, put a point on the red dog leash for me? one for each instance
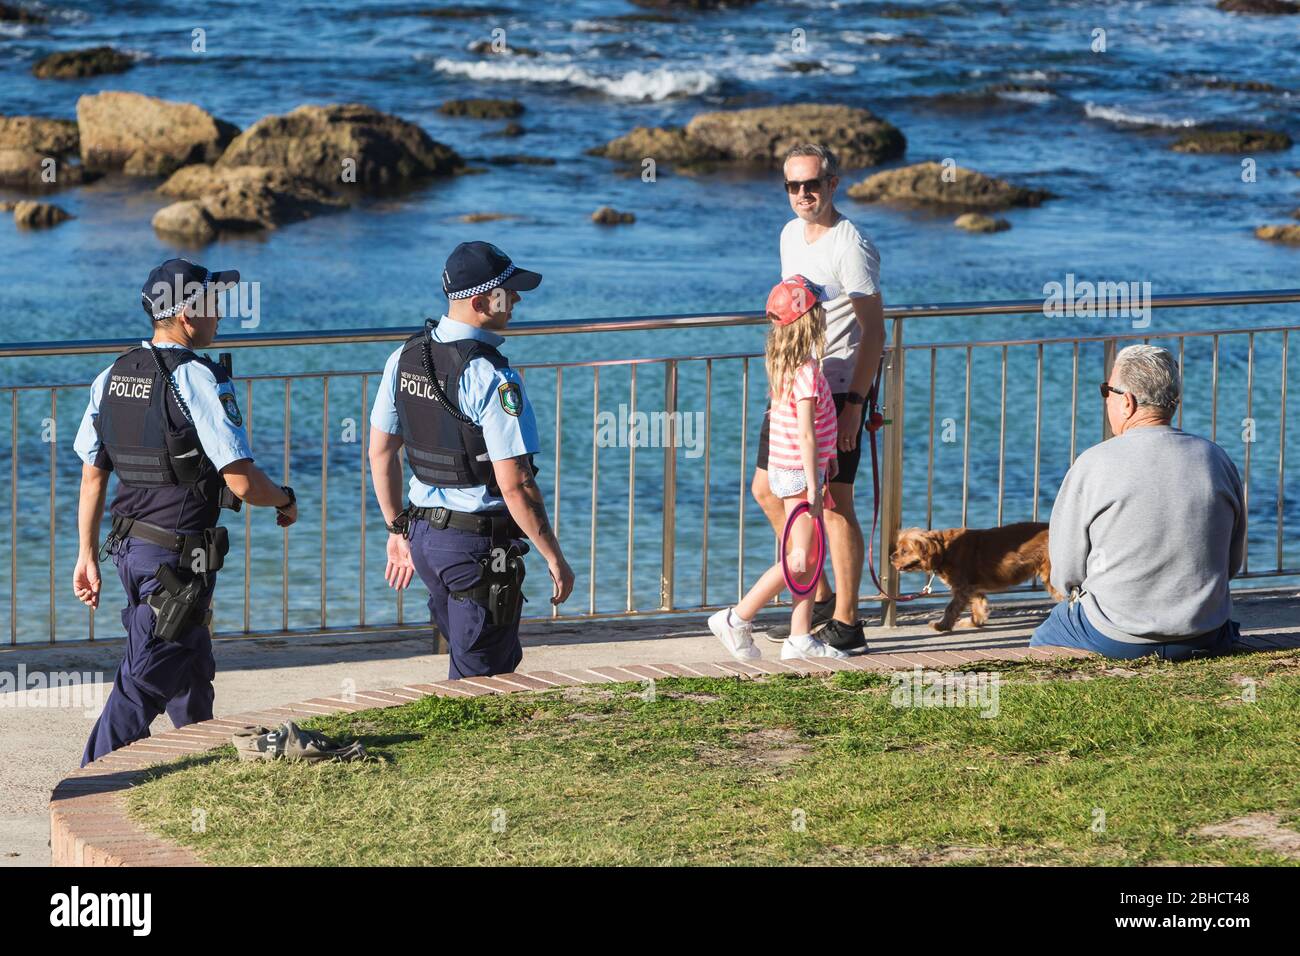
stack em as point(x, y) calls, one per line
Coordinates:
point(873, 424)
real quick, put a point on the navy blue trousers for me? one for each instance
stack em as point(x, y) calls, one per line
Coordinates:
point(154, 675)
point(1068, 626)
point(448, 560)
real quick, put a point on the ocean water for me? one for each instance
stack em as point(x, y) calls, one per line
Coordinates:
point(1093, 127)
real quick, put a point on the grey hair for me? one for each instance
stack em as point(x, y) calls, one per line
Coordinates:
point(1151, 375)
point(830, 165)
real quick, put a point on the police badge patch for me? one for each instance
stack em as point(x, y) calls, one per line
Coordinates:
point(231, 409)
point(512, 400)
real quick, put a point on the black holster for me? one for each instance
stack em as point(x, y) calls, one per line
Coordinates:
point(177, 604)
point(500, 592)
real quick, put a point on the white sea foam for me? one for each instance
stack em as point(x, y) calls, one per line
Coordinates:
point(660, 84)
point(1124, 117)
point(1027, 96)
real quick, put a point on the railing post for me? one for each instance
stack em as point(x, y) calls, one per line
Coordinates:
point(891, 486)
point(670, 487)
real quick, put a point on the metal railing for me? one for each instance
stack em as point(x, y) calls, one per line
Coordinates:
point(664, 500)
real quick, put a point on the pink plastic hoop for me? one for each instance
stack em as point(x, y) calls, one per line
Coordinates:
point(820, 536)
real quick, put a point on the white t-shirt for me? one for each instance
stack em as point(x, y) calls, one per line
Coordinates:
point(846, 259)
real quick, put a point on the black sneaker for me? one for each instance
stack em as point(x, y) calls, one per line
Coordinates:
point(823, 613)
point(844, 637)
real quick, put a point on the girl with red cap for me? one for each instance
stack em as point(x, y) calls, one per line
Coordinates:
point(801, 458)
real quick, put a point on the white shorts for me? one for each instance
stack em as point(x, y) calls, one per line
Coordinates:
point(788, 482)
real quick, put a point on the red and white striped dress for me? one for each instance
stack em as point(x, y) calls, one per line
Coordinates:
point(783, 429)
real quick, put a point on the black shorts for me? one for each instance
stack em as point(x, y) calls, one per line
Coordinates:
point(848, 460)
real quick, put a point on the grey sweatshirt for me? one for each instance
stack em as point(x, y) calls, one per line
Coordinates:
point(1150, 525)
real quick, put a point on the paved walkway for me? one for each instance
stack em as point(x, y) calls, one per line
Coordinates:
point(42, 742)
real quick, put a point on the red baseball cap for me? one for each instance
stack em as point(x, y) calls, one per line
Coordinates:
point(791, 298)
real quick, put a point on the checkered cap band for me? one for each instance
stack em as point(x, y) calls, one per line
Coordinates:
point(179, 307)
point(483, 286)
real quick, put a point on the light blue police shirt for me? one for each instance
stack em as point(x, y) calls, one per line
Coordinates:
point(506, 435)
point(219, 423)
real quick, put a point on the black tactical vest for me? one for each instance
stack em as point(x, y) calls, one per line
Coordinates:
point(164, 476)
point(444, 452)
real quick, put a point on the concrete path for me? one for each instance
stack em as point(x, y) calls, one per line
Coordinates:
point(42, 732)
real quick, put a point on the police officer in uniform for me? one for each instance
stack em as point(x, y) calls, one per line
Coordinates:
point(167, 422)
point(453, 401)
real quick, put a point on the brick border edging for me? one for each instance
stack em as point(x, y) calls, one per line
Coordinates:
point(89, 825)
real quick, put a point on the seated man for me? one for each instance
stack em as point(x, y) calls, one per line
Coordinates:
point(1147, 528)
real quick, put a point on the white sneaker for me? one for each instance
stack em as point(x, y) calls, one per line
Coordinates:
point(808, 646)
point(739, 641)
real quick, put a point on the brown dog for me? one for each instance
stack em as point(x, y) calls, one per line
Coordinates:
point(973, 561)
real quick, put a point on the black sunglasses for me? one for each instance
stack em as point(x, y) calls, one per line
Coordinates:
point(793, 186)
point(1108, 390)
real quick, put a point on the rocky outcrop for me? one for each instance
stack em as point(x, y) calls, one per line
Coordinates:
point(1274, 7)
point(609, 216)
point(670, 145)
point(1287, 234)
point(343, 145)
point(53, 137)
point(72, 64)
point(188, 221)
point(935, 184)
point(39, 215)
point(482, 108)
point(240, 198)
point(978, 222)
point(1231, 141)
point(762, 136)
point(145, 136)
point(22, 168)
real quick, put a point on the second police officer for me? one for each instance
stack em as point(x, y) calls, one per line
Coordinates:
point(453, 401)
point(166, 421)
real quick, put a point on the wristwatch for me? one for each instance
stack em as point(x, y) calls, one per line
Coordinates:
point(401, 523)
point(853, 398)
point(293, 499)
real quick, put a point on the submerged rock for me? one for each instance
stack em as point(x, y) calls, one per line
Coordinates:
point(145, 136)
point(925, 184)
point(71, 64)
point(978, 222)
point(1273, 7)
point(242, 198)
point(343, 144)
point(692, 4)
point(485, 48)
point(12, 14)
point(482, 108)
point(1231, 141)
point(39, 215)
point(762, 137)
point(609, 216)
point(1287, 234)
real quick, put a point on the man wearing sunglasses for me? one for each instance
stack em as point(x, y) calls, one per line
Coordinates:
point(827, 248)
point(1147, 529)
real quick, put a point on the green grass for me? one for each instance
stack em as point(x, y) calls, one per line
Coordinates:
point(722, 771)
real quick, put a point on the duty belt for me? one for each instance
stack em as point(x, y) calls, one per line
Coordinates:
point(213, 542)
point(497, 526)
